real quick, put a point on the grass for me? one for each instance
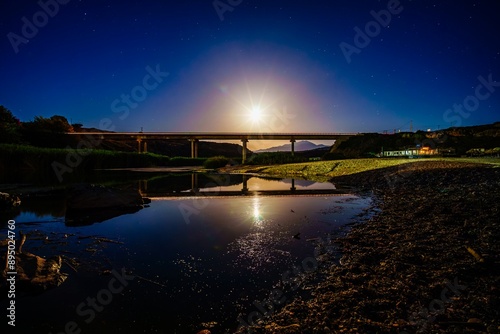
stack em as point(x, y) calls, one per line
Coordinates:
point(215, 162)
point(479, 160)
point(325, 170)
point(93, 158)
point(19, 160)
point(23, 159)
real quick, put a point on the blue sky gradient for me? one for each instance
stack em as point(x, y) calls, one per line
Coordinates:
point(281, 56)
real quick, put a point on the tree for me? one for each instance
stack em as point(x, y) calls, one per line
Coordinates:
point(54, 124)
point(48, 132)
point(60, 124)
point(77, 127)
point(9, 127)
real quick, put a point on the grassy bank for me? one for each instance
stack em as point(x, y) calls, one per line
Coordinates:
point(325, 170)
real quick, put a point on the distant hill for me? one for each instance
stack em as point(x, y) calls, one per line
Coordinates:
point(299, 146)
point(460, 139)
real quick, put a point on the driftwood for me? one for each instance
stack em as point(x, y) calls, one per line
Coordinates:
point(8, 201)
point(35, 272)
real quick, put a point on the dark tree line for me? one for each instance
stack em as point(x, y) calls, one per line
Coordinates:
point(45, 132)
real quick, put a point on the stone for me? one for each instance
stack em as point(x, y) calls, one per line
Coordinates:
point(88, 204)
point(100, 197)
point(8, 201)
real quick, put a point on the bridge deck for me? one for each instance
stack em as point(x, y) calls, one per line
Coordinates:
point(216, 135)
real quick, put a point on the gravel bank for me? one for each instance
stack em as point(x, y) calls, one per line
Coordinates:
point(427, 263)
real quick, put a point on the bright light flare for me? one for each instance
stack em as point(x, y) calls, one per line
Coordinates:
point(257, 214)
point(256, 114)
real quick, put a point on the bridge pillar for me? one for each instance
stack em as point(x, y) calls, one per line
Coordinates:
point(194, 148)
point(245, 185)
point(292, 141)
point(139, 140)
point(244, 152)
point(143, 187)
point(194, 183)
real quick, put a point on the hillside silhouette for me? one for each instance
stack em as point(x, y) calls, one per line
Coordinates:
point(455, 140)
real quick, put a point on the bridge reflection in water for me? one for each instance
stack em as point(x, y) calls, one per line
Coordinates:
point(240, 185)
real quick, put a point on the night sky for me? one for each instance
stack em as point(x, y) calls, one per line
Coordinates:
point(189, 66)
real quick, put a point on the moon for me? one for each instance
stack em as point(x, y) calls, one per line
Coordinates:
point(256, 114)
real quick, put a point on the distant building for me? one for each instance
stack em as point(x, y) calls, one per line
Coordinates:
point(447, 152)
point(476, 152)
point(411, 152)
point(480, 152)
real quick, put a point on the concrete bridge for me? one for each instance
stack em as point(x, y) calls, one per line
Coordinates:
point(195, 137)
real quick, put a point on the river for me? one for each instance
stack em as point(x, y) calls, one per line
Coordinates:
point(209, 251)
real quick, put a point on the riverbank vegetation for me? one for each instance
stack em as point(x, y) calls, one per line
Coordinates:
point(18, 161)
point(325, 170)
point(216, 162)
point(52, 133)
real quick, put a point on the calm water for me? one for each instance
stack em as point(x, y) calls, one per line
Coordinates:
point(197, 261)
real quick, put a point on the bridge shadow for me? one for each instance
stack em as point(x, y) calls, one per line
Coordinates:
point(232, 185)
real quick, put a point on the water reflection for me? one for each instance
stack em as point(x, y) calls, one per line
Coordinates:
point(256, 211)
point(159, 187)
point(210, 268)
point(238, 185)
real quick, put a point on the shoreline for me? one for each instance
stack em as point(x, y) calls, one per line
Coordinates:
point(325, 171)
point(427, 262)
point(436, 229)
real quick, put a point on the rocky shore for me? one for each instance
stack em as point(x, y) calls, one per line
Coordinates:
point(428, 262)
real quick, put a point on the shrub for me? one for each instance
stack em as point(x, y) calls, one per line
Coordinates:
point(216, 162)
